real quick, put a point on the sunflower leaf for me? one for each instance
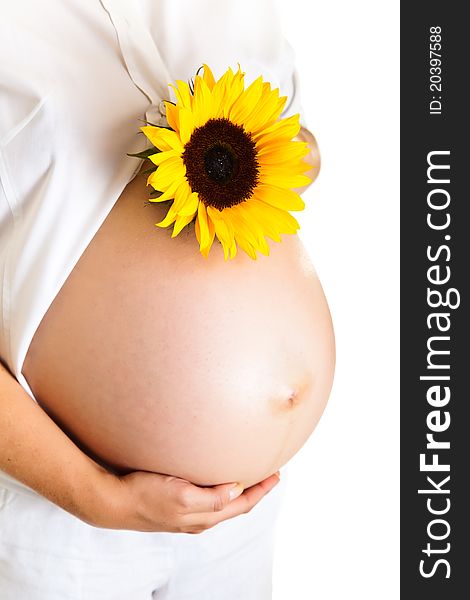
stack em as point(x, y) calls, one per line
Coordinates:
point(145, 153)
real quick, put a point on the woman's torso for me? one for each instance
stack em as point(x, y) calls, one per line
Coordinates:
point(152, 357)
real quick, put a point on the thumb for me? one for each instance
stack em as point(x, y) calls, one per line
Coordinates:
point(215, 498)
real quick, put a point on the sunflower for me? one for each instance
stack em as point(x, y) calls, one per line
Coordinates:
point(228, 163)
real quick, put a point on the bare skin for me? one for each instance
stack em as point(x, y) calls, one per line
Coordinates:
point(138, 500)
point(173, 363)
point(65, 475)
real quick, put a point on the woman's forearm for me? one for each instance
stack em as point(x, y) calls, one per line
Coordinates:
point(34, 450)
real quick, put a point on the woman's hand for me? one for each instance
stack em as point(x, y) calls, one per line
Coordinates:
point(144, 501)
point(312, 158)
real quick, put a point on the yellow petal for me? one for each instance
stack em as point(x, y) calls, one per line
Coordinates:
point(202, 220)
point(197, 231)
point(207, 230)
point(190, 207)
point(223, 229)
point(157, 159)
point(171, 170)
point(267, 111)
point(162, 138)
point(202, 102)
point(253, 233)
point(233, 90)
point(283, 221)
point(172, 116)
point(205, 249)
point(218, 93)
point(279, 153)
point(233, 249)
point(229, 222)
point(180, 223)
point(283, 180)
point(243, 227)
point(208, 77)
point(182, 194)
point(285, 129)
point(262, 245)
point(246, 102)
point(247, 247)
point(243, 234)
point(186, 125)
point(254, 230)
point(286, 168)
point(168, 220)
point(259, 218)
point(168, 194)
point(284, 199)
point(182, 93)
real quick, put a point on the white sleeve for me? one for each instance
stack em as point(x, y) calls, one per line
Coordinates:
point(222, 34)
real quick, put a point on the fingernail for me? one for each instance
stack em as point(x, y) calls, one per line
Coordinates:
point(235, 491)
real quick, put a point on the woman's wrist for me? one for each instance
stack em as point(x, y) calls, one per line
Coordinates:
point(100, 499)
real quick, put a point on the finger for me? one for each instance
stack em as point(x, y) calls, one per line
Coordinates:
point(195, 499)
point(243, 504)
point(251, 496)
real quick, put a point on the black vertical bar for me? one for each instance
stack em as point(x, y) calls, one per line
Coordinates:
point(434, 119)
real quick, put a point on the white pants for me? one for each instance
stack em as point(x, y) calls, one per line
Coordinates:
point(47, 554)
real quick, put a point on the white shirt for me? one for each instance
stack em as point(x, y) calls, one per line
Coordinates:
point(76, 77)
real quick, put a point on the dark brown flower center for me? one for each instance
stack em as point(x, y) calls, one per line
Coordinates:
point(221, 163)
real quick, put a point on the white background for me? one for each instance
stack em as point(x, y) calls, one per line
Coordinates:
point(338, 530)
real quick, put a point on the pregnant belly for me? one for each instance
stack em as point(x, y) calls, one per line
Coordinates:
point(154, 358)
